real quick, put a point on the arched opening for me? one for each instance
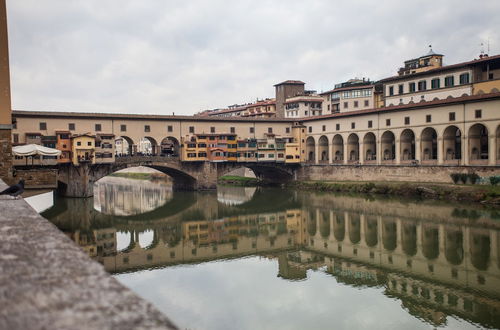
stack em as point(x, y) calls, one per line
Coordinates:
point(480, 250)
point(388, 145)
point(147, 147)
point(310, 149)
point(354, 228)
point(452, 144)
point(389, 235)
point(429, 145)
point(339, 227)
point(338, 149)
point(430, 242)
point(324, 227)
point(124, 146)
point(370, 147)
point(409, 239)
point(407, 146)
point(371, 231)
point(353, 148)
point(323, 149)
point(478, 144)
point(453, 247)
point(170, 147)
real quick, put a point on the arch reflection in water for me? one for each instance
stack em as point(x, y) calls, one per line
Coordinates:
point(436, 260)
point(229, 195)
point(124, 197)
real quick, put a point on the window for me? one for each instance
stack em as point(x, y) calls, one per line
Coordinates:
point(449, 81)
point(270, 130)
point(452, 116)
point(71, 126)
point(490, 76)
point(191, 129)
point(89, 143)
point(337, 127)
point(387, 122)
point(123, 128)
point(355, 104)
point(477, 114)
point(367, 103)
point(435, 83)
point(43, 126)
point(428, 118)
point(391, 90)
point(170, 129)
point(147, 128)
point(411, 87)
point(422, 85)
point(98, 127)
point(79, 143)
point(287, 130)
point(353, 125)
point(232, 130)
point(401, 89)
point(16, 138)
point(407, 120)
point(212, 129)
point(370, 124)
point(310, 129)
point(464, 78)
point(346, 105)
point(252, 130)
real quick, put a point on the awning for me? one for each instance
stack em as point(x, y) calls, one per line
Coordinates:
point(34, 150)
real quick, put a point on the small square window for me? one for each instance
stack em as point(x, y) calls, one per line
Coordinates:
point(89, 143)
point(387, 122)
point(79, 143)
point(287, 130)
point(367, 103)
point(170, 128)
point(71, 126)
point(324, 128)
point(147, 128)
point(337, 127)
point(310, 129)
point(191, 129)
point(212, 129)
point(123, 128)
point(407, 120)
point(43, 126)
point(428, 118)
point(478, 114)
point(355, 104)
point(232, 130)
point(391, 90)
point(98, 127)
point(252, 130)
point(270, 130)
point(370, 124)
point(452, 116)
point(400, 89)
point(353, 125)
point(346, 105)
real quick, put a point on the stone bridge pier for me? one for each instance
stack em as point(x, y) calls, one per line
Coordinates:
point(78, 181)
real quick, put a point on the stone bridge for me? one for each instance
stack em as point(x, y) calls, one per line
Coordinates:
point(78, 181)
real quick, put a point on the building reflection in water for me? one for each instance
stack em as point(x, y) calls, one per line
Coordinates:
point(435, 258)
point(122, 196)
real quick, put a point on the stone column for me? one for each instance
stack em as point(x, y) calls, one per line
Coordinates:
point(316, 153)
point(379, 151)
point(361, 152)
point(418, 149)
point(346, 156)
point(330, 152)
point(440, 151)
point(492, 150)
point(398, 151)
point(465, 150)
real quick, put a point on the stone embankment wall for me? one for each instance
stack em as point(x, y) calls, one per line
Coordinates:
point(37, 178)
point(5, 155)
point(47, 282)
point(433, 174)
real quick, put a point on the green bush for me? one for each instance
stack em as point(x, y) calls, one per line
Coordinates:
point(494, 180)
point(455, 177)
point(473, 178)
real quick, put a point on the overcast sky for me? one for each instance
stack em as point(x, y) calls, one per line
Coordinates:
point(163, 56)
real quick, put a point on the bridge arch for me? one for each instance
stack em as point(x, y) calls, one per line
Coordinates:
point(407, 145)
point(429, 144)
point(452, 140)
point(170, 146)
point(323, 149)
point(153, 148)
point(388, 145)
point(310, 149)
point(478, 143)
point(370, 146)
point(353, 147)
point(125, 146)
point(338, 148)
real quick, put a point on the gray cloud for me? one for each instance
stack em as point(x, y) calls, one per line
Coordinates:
point(176, 56)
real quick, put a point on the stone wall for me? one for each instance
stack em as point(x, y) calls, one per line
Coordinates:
point(389, 173)
point(5, 155)
point(37, 178)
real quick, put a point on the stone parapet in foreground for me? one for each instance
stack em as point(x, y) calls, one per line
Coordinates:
point(47, 282)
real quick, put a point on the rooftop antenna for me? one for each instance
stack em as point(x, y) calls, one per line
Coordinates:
point(482, 48)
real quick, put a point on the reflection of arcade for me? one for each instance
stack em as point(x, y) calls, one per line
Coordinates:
point(435, 267)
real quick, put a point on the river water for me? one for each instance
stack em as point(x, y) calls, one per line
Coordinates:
point(255, 258)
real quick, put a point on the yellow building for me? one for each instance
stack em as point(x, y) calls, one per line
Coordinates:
point(83, 149)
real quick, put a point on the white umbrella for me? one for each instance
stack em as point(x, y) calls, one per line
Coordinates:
point(34, 150)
